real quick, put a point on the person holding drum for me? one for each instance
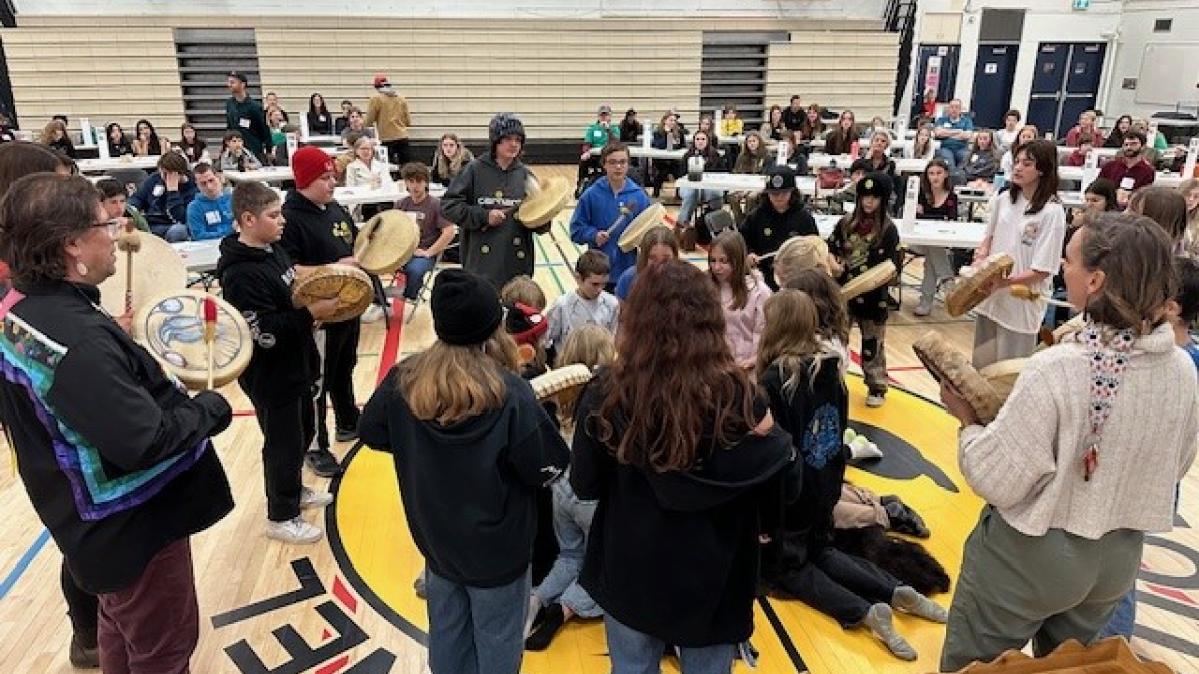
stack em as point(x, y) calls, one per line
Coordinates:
point(483, 200)
point(79, 392)
point(606, 209)
point(777, 218)
point(320, 232)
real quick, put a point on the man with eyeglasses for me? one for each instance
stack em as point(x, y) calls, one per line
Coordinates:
point(607, 207)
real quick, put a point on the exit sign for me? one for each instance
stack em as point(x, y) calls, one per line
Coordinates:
point(1082, 4)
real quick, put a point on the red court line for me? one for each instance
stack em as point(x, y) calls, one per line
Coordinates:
point(391, 343)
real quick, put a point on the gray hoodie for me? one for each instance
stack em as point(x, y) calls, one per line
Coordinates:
point(495, 253)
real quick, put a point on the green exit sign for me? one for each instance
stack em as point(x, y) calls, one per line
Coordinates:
point(1082, 4)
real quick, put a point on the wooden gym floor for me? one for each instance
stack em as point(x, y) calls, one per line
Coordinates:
point(349, 598)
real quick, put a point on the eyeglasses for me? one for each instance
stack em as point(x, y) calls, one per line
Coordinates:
point(616, 162)
point(114, 227)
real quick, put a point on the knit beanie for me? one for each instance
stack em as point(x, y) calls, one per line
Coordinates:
point(466, 308)
point(309, 163)
point(505, 124)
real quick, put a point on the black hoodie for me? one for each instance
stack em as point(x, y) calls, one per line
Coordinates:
point(257, 282)
point(675, 554)
point(315, 235)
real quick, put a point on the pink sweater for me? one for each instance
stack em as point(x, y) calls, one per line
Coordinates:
point(743, 327)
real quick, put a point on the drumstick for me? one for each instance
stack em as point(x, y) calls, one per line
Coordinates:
point(1025, 293)
point(130, 242)
point(210, 336)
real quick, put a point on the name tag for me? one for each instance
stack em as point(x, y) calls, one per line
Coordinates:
point(1127, 183)
point(244, 122)
point(212, 217)
point(417, 216)
point(158, 190)
point(321, 118)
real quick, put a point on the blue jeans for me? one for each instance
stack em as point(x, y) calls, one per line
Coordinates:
point(691, 198)
point(475, 630)
point(635, 653)
point(172, 233)
point(956, 158)
point(414, 275)
point(1124, 618)
point(572, 521)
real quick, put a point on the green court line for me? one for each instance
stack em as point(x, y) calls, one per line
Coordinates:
point(553, 271)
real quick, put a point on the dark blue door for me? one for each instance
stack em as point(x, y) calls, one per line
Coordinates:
point(939, 62)
point(1048, 79)
point(993, 74)
point(1082, 83)
point(1065, 83)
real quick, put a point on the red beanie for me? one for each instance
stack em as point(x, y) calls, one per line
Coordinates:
point(309, 163)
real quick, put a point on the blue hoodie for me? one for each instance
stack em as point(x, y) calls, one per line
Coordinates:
point(160, 206)
point(598, 209)
point(210, 218)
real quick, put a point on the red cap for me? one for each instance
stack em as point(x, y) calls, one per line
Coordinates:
point(381, 80)
point(309, 163)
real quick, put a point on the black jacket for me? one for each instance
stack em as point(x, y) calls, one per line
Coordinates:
point(248, 118)
point(314, 235)
point(319, 127)
point(794, 120)
point(115, 456)
point(675, 555)
point(766, 229)
point(859, 254)
point(257, 282)
point(469, 490)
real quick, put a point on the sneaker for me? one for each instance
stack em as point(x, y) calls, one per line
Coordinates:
point(345, 434)
point(923, 309)
point(310, 498)
point(875, 400)
point(83, 656)
point(372, 314)
point(294, 530)
point(323, 463)
point(551, 621)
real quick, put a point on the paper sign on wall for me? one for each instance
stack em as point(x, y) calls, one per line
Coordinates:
point(991, 68)
point(942, 51)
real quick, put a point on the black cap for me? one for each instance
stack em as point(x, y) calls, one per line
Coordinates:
point(780, 179)
point(239, 75)
point(875, 185)
point(466, 308)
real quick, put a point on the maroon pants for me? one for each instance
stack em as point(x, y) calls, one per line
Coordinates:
point(153, 625)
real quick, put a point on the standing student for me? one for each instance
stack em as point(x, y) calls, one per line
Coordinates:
point(778, 217)
point(116, 458)
point(860, 241)
point(436, 233)
point(483, 201)
point(471, 447)
point(246, 116)
point(388, 111)
point(256, 278)
point(954, 130)
point(937, 201)
point(743, 293)
point(210, 213)
point(659, 244)
point(1084, 458)
point(589, 304)
point(319, 232)
point(679, 471)
point(1028, 223)
point(320, 121)
point(607, 207)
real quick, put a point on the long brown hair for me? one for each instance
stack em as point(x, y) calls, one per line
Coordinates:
point(1165, 206)
point(826, 294)
point(19, 158)
point(447, 383)
point(1133, 252)
point(659, 235)
point(676, 381)
point(1044, 153)
point(807, 128)
point(733, 246)
point(751, 161)
point(791, 336)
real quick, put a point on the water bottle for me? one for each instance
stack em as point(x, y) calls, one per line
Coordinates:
point(999, 181)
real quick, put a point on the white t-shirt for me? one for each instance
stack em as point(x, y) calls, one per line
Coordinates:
point(1005, 139)
point(1035, 243)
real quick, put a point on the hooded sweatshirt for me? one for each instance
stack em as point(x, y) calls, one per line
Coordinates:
point(257, 282)
point(675, 554)
point(389, 111)
point(316, 235)
point(495, 253)
point(160, 206)
point(601, 210)
point(765, 231)
point(469, 489)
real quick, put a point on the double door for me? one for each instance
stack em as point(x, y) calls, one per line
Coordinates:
point(1065, 83)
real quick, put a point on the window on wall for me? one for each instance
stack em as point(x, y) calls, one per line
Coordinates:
point(1163, 25)
point(1001, 25)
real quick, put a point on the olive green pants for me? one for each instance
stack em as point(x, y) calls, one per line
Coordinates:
point(1047, 588)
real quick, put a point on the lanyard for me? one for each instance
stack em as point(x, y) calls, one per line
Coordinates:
point(1108, 351)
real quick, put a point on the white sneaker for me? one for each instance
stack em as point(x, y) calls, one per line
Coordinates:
point(923, 309)
point(310, 498)
point(875, 400)
point(372, 314)
point(295, 531)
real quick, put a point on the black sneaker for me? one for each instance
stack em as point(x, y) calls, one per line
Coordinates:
point(84, 656)
point(345, 434)
point(551, 621)
point(323, 463)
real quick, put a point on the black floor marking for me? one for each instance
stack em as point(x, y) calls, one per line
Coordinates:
point(784, 638)
point(901, 460)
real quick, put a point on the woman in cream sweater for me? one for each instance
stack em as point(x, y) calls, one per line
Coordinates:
point(1083, 458)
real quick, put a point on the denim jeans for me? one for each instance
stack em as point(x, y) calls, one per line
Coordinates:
point(956, 158)
point(414, 275)
point(572, 521)
point(172, 233)
point(1124, 618)
point(476, 630)
point(691, 198)
point(936, 268)
point(633, 652)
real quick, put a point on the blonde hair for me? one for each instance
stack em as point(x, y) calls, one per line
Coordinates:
point(799, 253)
point(525, 290)
point(591, 345)
point(447, 383)
point(792, 335)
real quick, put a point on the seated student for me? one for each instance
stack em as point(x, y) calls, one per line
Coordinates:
point(790, 153)
point(589, 304)
point(1116, 137)
point(1086, 128)
point(843, 138)
point(146, 142)
point(436, 233)
point(164, 197)
point(1129, 170)
point(921, 147)
point(342, 162)
point(753, 159)
point(450, 157)
point(357, 124)
point(271, 100)
point(192, 146)
point(1005, 138)
point(341, 123)
point(730, 123)
point(320, 122)
point(598, 134)
point(773, 127)
point(702, 147)
point(365, 170)
point(1027, 134)
point(1079, 156)
point(277, 125)
point(210, 214)
point(812, 126)
point(114, 199)
point(668, 136)
point(631, 128)
point(954, 130)
point(118, 142)
point(235, 156)
point(847, 194)
point(878, 155)
point(983, 161)
point(657, 245)
point(778, 217)
point(55, 137)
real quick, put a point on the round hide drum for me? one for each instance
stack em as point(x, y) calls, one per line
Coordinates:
point(972, 287)
point(540, 207)
point(563, 379)
point(386, 242)
point(350, 285)
point(985, 391)
point(648, 218)
point(875, 277)
point(171, 327)
point(157, 268)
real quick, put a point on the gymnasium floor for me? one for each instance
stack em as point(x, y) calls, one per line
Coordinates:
point(346, 604)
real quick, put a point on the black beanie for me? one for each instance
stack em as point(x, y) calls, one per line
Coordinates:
point(466, 308)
